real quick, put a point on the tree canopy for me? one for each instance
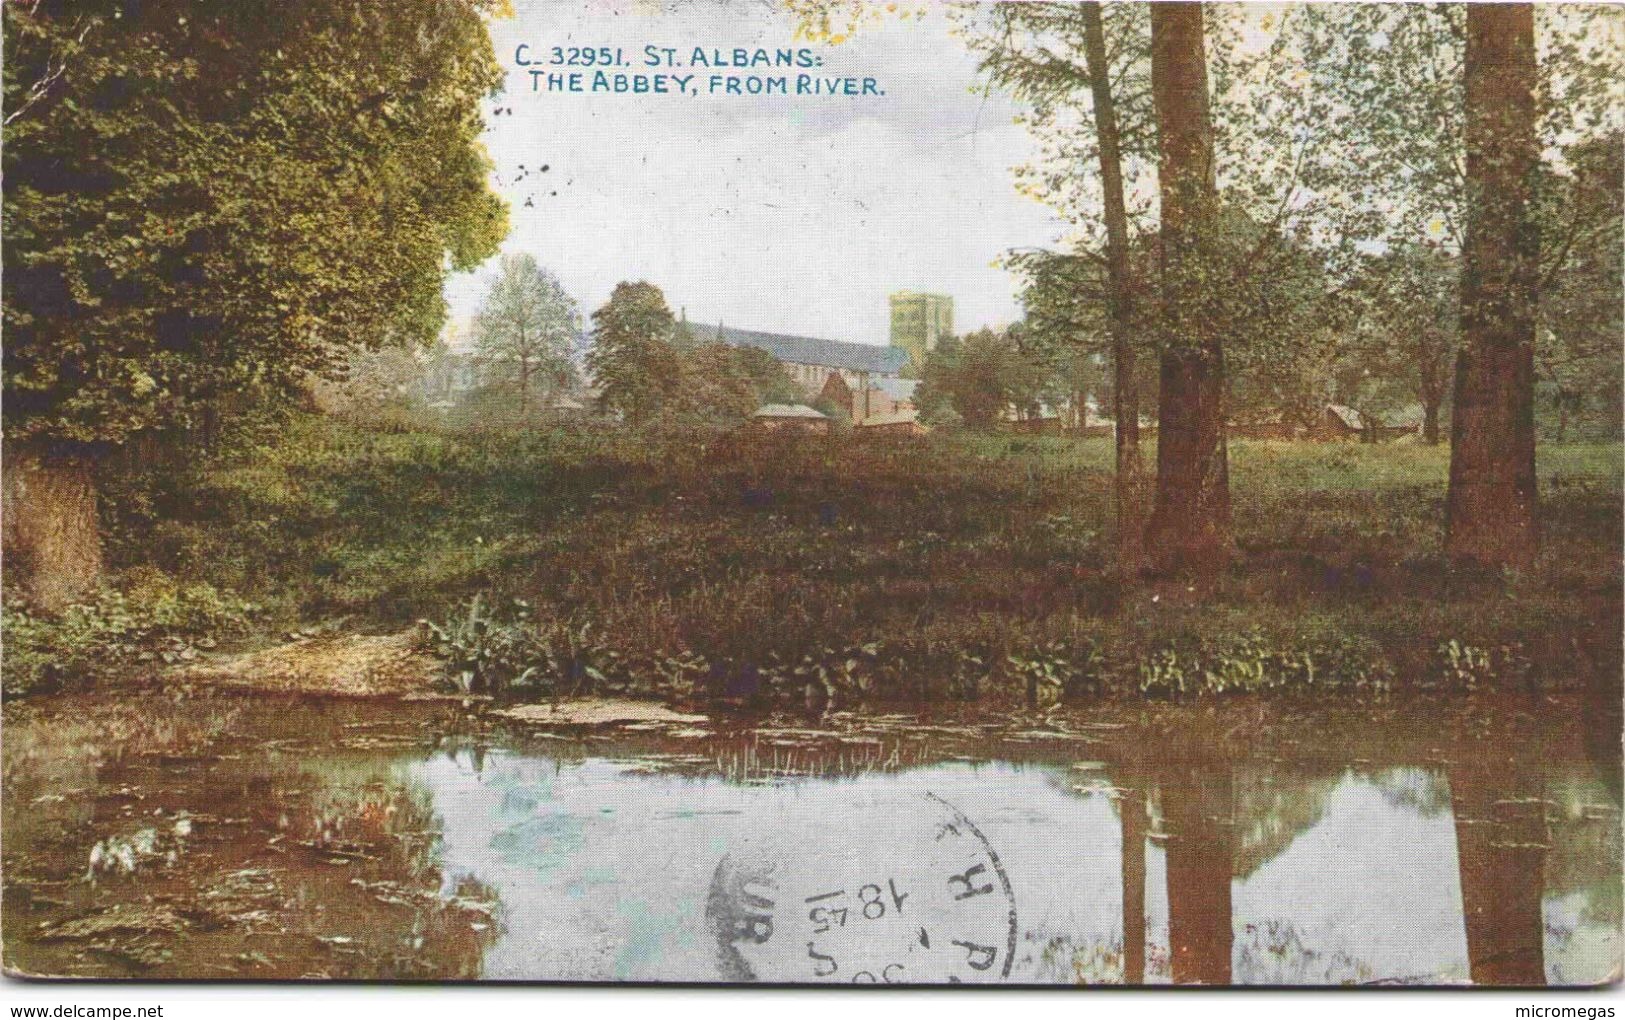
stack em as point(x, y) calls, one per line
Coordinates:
point(206, 200)
point(524, 329)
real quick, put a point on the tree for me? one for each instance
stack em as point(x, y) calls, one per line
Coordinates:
point(523, 330)
point(633, 363)
point(1404, 347)
point(1045, 74)
point(764, 374)
point(207, 205)
point(1190, 525)
point(980, 377)
point(731, 381)
point(1577, 345)
point(1392, 78)
point(1490, 509)
point(1125, 390)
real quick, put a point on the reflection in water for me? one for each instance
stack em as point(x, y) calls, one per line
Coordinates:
point(1263, 878)
point(323, 841)
point(1581, 907)
point(1348, 878)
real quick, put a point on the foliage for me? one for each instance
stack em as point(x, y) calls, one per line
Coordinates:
point(1251, 662)
point(981, 377)
point(1577, 347)
point(486, 652)
point(209, 202)
point(763, 374)
point(1469, 667)
point(647, 366)
point(155, 620)
point(1385, 128)
point(373, 386)
point(483, 654)
point(1035, 51)
point(633, 360)
point(524, 329)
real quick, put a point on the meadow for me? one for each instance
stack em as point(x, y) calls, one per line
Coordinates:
point(949, 566)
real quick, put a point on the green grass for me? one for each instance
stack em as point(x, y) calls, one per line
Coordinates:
point(962, 557)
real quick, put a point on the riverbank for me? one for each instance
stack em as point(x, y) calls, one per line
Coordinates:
point(949, 567)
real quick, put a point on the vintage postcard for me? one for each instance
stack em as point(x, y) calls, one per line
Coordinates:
point(813, 492)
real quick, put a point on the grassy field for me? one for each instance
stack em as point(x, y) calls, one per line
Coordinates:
point(952, 565)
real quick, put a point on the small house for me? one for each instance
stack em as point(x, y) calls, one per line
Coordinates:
point(870, 398)
point(789, 418)
point(903, 423)
point(1339, 421)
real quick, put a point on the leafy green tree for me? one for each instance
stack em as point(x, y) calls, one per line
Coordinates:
point(524, 328)
point(1396, 98)
point(1577, 347)
point(980, 378)
point(211, 201)
point(1032, 49)
point(633, 361)
point(765, 375)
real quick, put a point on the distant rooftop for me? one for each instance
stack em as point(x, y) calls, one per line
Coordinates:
point(897, 389)
point(808, 350)
point(900, 418)
point(787, 411)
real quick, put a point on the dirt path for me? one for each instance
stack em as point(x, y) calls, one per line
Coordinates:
point(350, 665)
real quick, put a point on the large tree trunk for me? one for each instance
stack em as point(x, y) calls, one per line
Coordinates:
point(1490, 512)
point(1190, 527)
point(1197, 809)
point(1501, 842)
point(1125, 387)
point(51, 532)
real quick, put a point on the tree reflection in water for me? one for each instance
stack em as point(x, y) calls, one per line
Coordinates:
point(326, 841)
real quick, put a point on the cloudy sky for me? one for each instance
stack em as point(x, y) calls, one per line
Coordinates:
point(790, 214)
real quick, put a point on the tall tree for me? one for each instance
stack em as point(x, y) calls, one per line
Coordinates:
point(211, 202)
point(1190, 525)
point(1392, 78)
point(1490, 510)
point(1125, 388)
point(524, 328)
point(1033, 50)
point(633, 362)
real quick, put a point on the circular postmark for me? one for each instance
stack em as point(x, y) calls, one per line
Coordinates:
point(912, 894)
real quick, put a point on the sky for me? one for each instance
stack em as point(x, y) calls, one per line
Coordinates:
point(794, 214)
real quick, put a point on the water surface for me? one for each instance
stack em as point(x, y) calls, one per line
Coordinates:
point(234, 837)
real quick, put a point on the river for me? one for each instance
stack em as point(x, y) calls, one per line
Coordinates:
point(214, 837)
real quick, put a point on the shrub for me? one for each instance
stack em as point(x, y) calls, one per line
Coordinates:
point(483, 653)
point(1253, 662)
point(153, 621)
point(490, 653)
